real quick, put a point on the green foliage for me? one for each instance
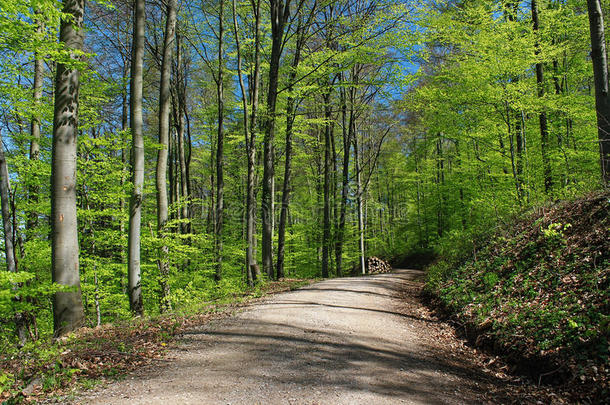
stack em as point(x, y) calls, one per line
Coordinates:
point(540, 280)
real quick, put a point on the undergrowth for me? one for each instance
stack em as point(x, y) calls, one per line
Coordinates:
point(46, 368)
point(537, 292)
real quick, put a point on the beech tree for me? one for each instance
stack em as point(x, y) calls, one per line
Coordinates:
point(280, 11)
point(544, 130)
point(301, 34)
point(9, 246)
point(161, 172)
point(252, 272)
point(137, 159)
point(68, 313)
point(219, 145)
point(599, 57)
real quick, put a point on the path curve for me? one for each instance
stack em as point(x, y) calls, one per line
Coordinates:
point(339, 341)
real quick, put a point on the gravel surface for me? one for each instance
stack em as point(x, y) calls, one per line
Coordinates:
point(341, 341)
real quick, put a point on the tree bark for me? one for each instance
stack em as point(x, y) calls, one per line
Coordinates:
point(124, 127)
point(327, 175)
point(161, 176)
point(68, 313)
point(279, 14)
point(544, 130)
point(286, 187)
point(359, 192)
point(219, 149)
point(600, 74)
point(250, 152)
point(347, 136)
point(33, 190)
point(137, 160)
point(181, 101)
point(251, 226)
point(9, 247)
point(519, 139)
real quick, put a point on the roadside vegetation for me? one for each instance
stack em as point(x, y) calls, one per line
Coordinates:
point(536, 290)
point(44, 369)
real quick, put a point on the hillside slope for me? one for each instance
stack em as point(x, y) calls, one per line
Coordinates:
point(537, 291)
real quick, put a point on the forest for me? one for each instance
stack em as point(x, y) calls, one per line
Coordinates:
point(158, 155)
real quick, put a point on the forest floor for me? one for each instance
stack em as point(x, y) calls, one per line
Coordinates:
point(364, 340)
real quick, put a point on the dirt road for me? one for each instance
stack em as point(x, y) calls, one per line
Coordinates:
point(341, 341)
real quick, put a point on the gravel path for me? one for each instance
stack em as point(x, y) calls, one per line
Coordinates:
point(340, 341)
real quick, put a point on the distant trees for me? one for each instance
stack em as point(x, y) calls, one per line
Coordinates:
point(475, 113)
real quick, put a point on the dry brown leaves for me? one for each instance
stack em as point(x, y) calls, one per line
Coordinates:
point(112, 350)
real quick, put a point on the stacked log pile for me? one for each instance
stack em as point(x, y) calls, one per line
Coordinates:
point(375, 265)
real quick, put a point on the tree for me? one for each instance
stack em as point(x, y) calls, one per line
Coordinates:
point(301, 31)
point(9, 247)
point(219, 147)
point(250, 141)
point(253, 269)
point(137, 160)
point(180, 112)
point(68, 311)
point(599, 58)
point(161, 172)
point(280, 11)
point(35, 121)
point(544, 130)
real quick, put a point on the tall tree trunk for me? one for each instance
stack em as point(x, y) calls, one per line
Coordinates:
point(219, 149)
point(33, 190)
point(290, 117)
point(251, 226)
point(440, 179)
point(519, 138)
point(334, 198)
point(250, 152)
point(327, 175)
point(347, 133)
point(513, 158)
point(171, 174)
point(281, 244)
point(68, 313)
point(9, 247)
point(559, 90)
point(359, 193)
point(137, 160)
point(600, 73)
point(279, 14)
point(544, 131)
point(189, 153)
point(181, 100)
point(161, 177)
point(124, 127)
point(211, 221)
point(330, 155)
